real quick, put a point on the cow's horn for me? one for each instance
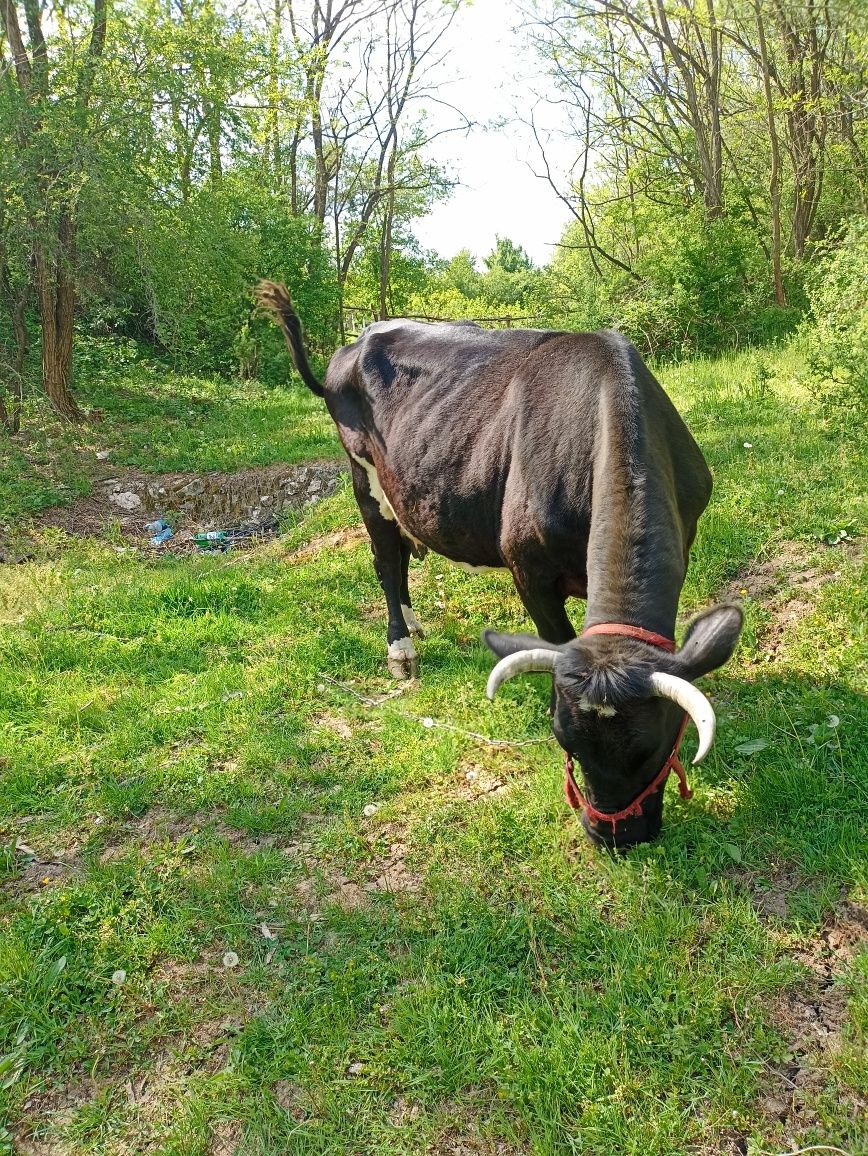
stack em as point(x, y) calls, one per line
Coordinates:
point(522, 662)
point(693, 701)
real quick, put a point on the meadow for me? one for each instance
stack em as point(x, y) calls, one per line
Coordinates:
point(255, 897)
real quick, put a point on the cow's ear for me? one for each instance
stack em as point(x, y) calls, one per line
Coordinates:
point(504, 644)
point(710, 640)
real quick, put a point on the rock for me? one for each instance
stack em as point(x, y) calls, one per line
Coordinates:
point(194, 488)
point(127, 500)
point(101, 455)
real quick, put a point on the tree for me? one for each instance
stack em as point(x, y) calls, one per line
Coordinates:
point(53, 117)
point(723, 108)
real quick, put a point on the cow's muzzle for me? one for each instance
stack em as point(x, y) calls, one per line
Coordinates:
point(641, 818)
point(628, 832)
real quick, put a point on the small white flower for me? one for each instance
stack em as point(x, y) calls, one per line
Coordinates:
point(230, 959)
point(748, 445)
point(370, 809)
point(780, 492)
point(119, 977)
point(833, 721)
point(471, 776)
point(428, 723)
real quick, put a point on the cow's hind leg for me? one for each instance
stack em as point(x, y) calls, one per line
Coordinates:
point(413, 623)
point(387, 546)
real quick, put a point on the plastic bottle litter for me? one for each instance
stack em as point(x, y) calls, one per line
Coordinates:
point(211, 539)
point(225, 539)
point(160, 530)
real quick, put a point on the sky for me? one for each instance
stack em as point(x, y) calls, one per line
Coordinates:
point(492, 76)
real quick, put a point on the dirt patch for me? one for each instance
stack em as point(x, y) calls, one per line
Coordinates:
point(49, 1110)
point(36, 870)
point(386, 872)
point(293, 1099)
point(782, 583)
point(475, 781)
point(327, 885)
point(394, 874)
point(812, 1016)
point(791, 566)
point(467, 1130)
point(253, 499)
point(159, 827)
point(341, 540)
point(225, 1138)
point(841, 939)
point(771, 894)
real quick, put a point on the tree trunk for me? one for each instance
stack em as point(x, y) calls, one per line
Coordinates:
point(15, 301)
point(56, 292)
point(775, 173)
point(386, 236)
point(320, 187)
point(214, 129)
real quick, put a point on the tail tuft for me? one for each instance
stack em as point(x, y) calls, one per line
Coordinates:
point(275, 299)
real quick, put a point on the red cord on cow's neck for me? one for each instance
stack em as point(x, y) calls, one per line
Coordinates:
point(637, 632)
point(574, 796)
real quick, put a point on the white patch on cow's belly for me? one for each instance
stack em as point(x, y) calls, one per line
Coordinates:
point(468, 569)
point(375, 489)
point(378, 494)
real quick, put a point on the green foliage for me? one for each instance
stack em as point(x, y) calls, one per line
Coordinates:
point(510, 286)
point(230, 236)
point(695, 285)
point(837, 332)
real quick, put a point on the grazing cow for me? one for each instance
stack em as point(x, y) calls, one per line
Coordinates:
point(558, 457)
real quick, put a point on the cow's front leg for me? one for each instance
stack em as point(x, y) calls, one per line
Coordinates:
point(387, 548)
point(545, 604)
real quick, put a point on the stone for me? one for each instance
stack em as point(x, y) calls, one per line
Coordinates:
point(127, 500)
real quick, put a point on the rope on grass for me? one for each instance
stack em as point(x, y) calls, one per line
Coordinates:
point(430, 723)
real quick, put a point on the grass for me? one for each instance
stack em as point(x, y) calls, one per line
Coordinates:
point(187, 766)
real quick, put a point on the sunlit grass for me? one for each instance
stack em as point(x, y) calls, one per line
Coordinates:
point(174, 752)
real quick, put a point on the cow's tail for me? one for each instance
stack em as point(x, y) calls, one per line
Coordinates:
point(275, 299)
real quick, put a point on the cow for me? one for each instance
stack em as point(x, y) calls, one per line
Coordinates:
point(559, 457)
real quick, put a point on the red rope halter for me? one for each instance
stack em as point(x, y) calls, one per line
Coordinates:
point(574, 796)
point(578, 801)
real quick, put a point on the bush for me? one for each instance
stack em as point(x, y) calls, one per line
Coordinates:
point(837, 331)
point(186, 284)
point(700, 285)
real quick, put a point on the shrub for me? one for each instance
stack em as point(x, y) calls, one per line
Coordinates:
point(837, 330)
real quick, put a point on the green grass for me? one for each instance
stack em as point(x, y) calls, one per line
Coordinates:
point(175, 752)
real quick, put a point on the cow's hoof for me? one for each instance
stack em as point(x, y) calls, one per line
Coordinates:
point(401, 659)
point(413, 623)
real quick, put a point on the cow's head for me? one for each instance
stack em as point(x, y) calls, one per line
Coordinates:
point(618, 705)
